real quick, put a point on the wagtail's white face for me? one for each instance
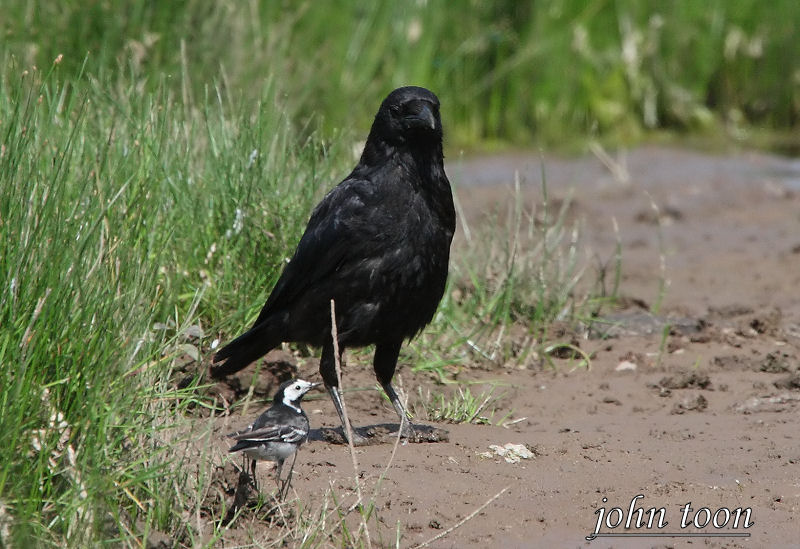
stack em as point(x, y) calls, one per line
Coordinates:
point(295, 391)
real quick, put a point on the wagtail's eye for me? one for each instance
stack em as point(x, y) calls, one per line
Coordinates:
point(296, 387)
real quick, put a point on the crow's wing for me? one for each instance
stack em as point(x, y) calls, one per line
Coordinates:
point(343, 228)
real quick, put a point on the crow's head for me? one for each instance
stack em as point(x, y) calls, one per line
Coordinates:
point(408, 116)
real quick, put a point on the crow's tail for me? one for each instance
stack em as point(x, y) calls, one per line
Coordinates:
point(251, 345)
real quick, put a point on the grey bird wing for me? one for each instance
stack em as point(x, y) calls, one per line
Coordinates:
point(270, 427)
point(273, 433)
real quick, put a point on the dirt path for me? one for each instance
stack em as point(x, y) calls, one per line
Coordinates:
point(711, 421)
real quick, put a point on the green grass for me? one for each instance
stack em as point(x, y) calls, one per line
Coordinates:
point(126, 218)
point(460, 407)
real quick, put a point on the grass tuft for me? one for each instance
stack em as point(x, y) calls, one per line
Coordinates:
point(129, 223)
point(460, 407)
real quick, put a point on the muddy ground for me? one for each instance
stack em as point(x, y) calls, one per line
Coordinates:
point(706, 416)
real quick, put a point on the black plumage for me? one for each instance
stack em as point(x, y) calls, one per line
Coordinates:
point(277, 433)
point(378, 244)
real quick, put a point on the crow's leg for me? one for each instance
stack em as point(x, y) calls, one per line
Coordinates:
point(327, 369)
point(384, 363)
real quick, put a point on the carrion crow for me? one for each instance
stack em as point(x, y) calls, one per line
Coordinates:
point(378, 244)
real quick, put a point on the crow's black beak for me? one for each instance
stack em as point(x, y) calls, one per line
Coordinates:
point(423, 119)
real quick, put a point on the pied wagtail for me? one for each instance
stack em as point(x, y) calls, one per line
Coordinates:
point(277, 433)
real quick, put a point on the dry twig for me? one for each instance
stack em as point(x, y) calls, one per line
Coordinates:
point(348, 427)
point(462, 521)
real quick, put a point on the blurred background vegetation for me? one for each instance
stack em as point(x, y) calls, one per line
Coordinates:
point(158, 161)
point(508, 72)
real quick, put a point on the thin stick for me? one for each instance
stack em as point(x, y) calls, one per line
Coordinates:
point(391, 457)
point(482, 406)
point(347, 426)
point(617, 259)
point(380, 478)
point(618, 167)
point(36, 312)
point(385, 471)
point(461, 217)
point(663, 282)
point(465, 519)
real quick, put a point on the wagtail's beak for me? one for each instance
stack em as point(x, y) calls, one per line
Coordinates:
point(315, 385)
